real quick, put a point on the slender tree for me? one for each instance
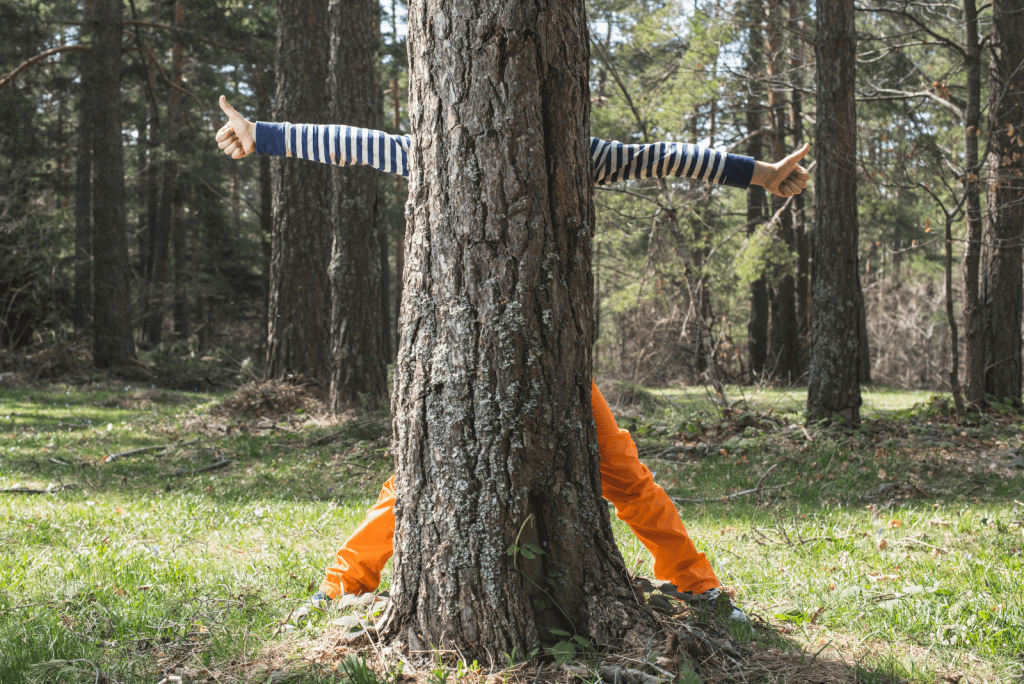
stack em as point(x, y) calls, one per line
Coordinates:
point(83, 189)
point(359, 342)
point(1001, 288)
point(111, 298)
point(757, 324)
point(974, 361)
point(834, 389)
point(493, 430)
point(299, 312)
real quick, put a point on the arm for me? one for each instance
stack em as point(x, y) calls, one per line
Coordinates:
point(614, 161)
point(332, 144)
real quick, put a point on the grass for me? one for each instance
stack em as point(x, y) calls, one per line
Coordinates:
point(898, 547)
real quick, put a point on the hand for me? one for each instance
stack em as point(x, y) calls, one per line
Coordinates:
point(783, 178)
point(238, 136)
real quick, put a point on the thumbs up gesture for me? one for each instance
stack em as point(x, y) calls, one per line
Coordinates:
point(238, 136)
point(783, 178)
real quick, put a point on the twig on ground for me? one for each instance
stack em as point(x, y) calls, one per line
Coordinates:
point(158, 448)
point(275, 426)
point(28, 490)
point(213, 466)
point(756, 490)
point(59, 462)
point(112, 457)
point(614, 674)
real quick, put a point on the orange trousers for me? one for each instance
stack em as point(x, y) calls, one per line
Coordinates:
point(625, 481)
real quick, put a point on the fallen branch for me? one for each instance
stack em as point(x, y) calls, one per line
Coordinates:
point(113, 457)
point(614, 674)
point(756, 490)
point(27, 490)
point(213, 466)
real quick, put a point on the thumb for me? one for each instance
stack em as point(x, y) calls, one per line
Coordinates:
point(794, 158)
point(232, 115)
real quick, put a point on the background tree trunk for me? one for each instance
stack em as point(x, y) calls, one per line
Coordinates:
point(112, 311)
point(783, 331)
point(834, 389)
point(359, 354)
point(298, 335)
point(974, 363)
point(493, 427)
point(1001, 293)
point(757, 324)
point(83, 191)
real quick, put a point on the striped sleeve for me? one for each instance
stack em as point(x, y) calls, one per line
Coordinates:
point(614, 161)
point(334, 144)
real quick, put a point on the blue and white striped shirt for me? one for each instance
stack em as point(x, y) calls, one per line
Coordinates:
point(613, 161)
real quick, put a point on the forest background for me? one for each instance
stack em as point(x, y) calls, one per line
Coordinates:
point(667, 254)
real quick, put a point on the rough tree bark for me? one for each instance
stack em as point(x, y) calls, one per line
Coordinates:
point(358, 344)
point(833, 388)
point(83, 192)
point(974, 362)
point(783, 330)
point(757, 324)
point(493, 429)
point(299, 311)
point(112, 313)
point(1001, 287)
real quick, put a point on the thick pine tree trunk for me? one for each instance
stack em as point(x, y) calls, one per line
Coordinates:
point(834, 389)
point(493, 428)
point(112, 313)
point(358, 328)
point(974, 363)
point(1001, 287)
point(299, 315)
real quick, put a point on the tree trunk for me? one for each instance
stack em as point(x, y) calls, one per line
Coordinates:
point(493, 430)
point(358, 346)
point(834, 390)
point(298, 335)
point(798, 10)
point(783, 331)
point(83, 193)
point(112, 312)
point(266, 215)
point(974, 363)
point(757, 324)
point(1001, 287)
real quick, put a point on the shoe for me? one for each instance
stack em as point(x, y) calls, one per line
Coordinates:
point(720, 603)
point(317, 606)
point(715, 599)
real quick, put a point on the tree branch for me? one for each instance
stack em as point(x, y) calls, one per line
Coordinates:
point(8, 78)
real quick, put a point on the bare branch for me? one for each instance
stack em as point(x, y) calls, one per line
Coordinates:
point(8, 78)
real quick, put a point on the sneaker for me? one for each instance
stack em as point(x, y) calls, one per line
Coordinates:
point(316, 607)
point(720, 603)
point(715, 599)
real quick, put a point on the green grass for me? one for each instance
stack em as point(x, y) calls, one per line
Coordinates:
point(142, 566)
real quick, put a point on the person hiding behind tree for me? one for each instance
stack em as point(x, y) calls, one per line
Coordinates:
point(625, 481)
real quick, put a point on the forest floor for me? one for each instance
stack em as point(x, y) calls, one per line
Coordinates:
point(176, 531)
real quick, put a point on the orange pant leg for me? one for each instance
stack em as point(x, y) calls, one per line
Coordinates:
point(645, 506)
point(625, 481)
point(361, 558)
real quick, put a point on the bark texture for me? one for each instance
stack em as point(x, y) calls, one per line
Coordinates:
point(112, 338)
point(833, 387)
point(757, 324)
point(974, 363)
point(493, 429)
point(83, 196)
point(299, 312)
point(1001, 293)
point(358, 328)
